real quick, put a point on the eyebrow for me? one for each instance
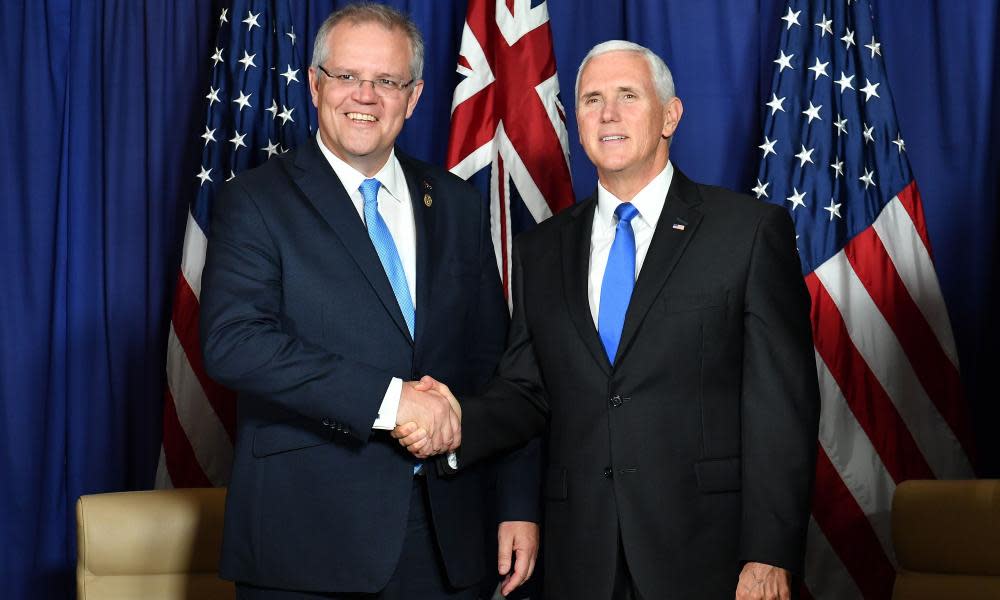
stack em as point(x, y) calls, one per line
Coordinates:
point(619, 89)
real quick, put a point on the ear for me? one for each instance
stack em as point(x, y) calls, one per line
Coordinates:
point(411, 103)
point(314, 86)
point(672, 116)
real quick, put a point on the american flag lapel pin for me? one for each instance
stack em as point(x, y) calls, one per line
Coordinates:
point(679, 225)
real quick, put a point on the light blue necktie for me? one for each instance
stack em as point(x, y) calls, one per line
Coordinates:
point(381, 237)
point(619, 279)
point(379, 233)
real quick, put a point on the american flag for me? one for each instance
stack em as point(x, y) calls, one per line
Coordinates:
point(256, 106)
point(506, 115)
point(892, 408)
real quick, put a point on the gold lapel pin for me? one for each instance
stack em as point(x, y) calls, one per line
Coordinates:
point(427, 200)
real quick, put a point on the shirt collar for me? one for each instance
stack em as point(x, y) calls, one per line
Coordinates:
point(649, 201)
point(390, 175)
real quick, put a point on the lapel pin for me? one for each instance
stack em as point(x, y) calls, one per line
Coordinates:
point(427, 186)
point(428, 200)
point(679, 226)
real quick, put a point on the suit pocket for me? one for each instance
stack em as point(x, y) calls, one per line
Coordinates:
point(685, 302)
point(717, 475)
point(556, 487)
point(287, 436)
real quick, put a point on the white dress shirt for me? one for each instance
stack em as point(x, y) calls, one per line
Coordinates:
point(397, 211)
point(649, 202)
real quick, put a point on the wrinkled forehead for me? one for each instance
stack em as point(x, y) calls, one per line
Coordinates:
point(615, 71)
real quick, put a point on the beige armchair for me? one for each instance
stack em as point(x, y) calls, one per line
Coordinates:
point(155, 545)
point(947, 540)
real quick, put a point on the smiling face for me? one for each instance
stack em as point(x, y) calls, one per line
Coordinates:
point(623, 124)
point(357, 124)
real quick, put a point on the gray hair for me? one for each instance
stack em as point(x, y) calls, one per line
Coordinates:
point(663, 81)
point(370, 12)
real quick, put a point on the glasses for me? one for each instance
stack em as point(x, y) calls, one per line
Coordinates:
point(382, 86)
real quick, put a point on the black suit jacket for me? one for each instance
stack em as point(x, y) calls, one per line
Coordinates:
point(299, 317)
point(697, 448)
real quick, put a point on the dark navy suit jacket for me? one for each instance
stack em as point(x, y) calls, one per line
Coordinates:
point(299, 317)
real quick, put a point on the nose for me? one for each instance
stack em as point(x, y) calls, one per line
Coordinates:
point(609, 111)
point(365, 92)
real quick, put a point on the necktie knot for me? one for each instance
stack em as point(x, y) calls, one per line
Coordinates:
point(369, 190)
point(626, 211)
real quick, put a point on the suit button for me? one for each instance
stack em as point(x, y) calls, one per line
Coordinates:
point(608, 473)
point(616, 401)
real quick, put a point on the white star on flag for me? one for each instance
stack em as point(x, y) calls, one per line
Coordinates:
point(792, 18)
point(251, 20)
point(247, 60)
point(833, 209)
point(797, 198)
point(813, 112)
point(848, 39)
point(237, 140)
point(870, 90)
point(838, 167)
point(819, 69)
point(874, 47)
point(845, 82)
point(768, 146)
point(204, 176)
point(805, 156)
point(867, 178)
point(841, 125)
point(290, 75)
point(783, 61)
point(209, 135)
point(776, 104)
point(899, 142)
point(825, 26)
point(760, 189)
point(243, 100)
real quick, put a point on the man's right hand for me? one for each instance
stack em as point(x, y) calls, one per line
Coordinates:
point(430, 416)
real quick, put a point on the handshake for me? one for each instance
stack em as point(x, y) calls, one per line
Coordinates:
point(429, 419)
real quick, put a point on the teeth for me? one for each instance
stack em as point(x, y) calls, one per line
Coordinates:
point(612, 137)
point(361, 117)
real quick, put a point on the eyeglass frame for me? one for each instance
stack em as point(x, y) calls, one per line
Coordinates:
point(396, 89)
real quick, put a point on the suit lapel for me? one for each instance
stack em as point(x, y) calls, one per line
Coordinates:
point(423, 220)
point(576, 267)
point(665, 250)
point(325, 191)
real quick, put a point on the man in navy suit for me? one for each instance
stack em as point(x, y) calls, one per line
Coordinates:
point(337, 275)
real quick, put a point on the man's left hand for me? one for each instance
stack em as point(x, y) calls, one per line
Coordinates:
point(517, 540)
point(763, 582)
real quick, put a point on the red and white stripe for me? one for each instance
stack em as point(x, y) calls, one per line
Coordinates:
point(199, 415)
point(892, 406)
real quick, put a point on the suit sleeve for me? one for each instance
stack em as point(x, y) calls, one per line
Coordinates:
point(780, 400)
point(514, 407)
point(518, 473)
point(243, 343)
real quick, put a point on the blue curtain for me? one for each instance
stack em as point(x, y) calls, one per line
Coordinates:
point(101, 110)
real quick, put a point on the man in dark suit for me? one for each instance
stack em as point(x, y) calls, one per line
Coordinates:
point(661, 328)
point(337, 274)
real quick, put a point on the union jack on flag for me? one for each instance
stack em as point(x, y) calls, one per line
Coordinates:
point(506, 115)
point(892, 408)
point(257, 106)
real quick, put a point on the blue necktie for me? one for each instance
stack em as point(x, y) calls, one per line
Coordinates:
point(379, 233)
point(619, 279)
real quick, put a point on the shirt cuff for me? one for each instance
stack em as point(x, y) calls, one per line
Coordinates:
point(390, 406)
